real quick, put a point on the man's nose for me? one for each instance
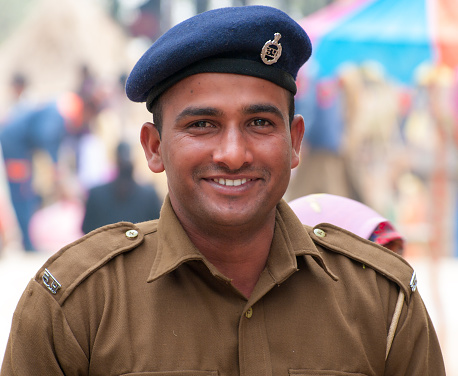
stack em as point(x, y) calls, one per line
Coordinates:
point(233, 149)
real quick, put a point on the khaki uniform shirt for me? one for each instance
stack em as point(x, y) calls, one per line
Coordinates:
point(142, 300)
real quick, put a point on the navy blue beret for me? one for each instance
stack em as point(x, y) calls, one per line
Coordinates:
point(258, 41)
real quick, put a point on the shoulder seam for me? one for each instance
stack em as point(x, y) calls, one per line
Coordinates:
point(388, 264)
point(77, 261)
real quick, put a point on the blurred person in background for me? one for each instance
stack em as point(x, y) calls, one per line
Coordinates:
point(322, 167)
point(42, 127)
point(58, 222)
point(122, 199)
point(10, 233)
point(18, 92)
point(349, 214)
point(95, 156)
point(372, 146)
point(87, 83)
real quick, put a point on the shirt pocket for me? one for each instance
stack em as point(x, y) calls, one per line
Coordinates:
point(173, 373)
point(311, 372)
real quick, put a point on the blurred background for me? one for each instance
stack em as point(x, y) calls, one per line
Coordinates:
point(379, 98)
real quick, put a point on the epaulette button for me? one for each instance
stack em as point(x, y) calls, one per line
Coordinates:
point(131, 234)
point(319, 232)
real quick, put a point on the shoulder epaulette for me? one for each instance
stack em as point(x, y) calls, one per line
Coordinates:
point(379, 258)
point(74, 263)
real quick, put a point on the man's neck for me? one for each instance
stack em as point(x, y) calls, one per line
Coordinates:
point(240, 257)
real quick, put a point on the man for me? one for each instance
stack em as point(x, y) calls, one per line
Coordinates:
point(227, 281)
point(121, 199)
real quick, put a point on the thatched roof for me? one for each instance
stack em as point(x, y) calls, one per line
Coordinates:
point(55, 39)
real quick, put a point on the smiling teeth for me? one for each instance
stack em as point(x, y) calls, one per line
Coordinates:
point(230, 182)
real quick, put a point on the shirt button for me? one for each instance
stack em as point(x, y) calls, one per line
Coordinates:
point(319, 232)
point(249, 313)
point(132, 234)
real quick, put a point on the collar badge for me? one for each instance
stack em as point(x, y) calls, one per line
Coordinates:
point(413, 282)
point(271, 51)
point(50, 282)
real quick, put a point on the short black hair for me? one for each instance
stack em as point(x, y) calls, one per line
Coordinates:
point(156, 110)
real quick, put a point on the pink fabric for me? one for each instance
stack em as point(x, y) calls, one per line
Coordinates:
point(56, 225)
point(349, 214)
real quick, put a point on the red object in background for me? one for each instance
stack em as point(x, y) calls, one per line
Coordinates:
point(18, 170)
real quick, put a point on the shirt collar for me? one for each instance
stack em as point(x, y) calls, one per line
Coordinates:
point(291, 235)
point(290, 240)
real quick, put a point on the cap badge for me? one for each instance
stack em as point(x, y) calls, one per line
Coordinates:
point(271, 51)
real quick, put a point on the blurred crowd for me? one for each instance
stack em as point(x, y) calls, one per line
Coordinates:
point(389, 146)
point(68, 166)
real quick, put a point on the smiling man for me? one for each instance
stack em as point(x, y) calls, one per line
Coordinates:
point(227, 145)
point(228, 281)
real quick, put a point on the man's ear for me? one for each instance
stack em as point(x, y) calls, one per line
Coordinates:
point(151, 143)
point(297, 132)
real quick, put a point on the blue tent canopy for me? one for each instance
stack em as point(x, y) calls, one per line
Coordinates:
point(395, 33)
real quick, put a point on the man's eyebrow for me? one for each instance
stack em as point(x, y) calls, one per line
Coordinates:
point(262, 107)
point(198, 111)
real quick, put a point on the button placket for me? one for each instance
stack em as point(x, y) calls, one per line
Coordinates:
point(253, 343)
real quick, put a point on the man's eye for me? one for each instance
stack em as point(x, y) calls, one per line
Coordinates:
point(201, 124)
point(260, 123)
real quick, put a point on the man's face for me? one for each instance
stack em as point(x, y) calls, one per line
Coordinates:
point(226, 147)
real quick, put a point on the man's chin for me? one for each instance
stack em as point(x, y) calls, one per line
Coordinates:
point(238, 217)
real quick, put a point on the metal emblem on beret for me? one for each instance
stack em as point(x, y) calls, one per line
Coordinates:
point(271, 51)
point(50, 282)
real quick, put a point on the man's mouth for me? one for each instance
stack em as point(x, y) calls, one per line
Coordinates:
point(231, 182)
